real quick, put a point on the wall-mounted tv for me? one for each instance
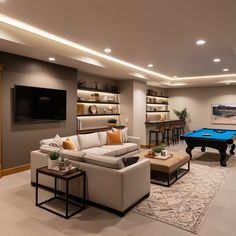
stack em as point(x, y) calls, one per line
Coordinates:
point(33, 104)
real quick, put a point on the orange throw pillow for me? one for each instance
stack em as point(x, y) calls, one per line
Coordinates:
point(69, 145)
point(114, 138)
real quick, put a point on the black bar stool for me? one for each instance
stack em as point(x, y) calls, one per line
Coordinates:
point(155, 131)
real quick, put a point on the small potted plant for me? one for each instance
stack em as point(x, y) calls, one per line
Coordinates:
point(158, 149)
point(112, 122)
point(53, 160)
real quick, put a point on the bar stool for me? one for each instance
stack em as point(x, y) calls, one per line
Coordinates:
point(180, 129)
point(169, 133)
point(156, 131)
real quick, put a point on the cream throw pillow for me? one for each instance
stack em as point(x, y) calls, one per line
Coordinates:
point(124, 134)
point(56, 142)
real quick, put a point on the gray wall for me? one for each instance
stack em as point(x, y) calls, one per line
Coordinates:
point(198, 102)
point(19, 139)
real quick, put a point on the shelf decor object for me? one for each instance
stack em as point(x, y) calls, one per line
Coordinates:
point(93, 109)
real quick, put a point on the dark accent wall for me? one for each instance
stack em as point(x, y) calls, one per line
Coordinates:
point(19, 139)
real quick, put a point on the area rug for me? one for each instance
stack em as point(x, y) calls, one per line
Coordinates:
point(186, 203)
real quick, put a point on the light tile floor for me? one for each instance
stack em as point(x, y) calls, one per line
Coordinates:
point(19, 216)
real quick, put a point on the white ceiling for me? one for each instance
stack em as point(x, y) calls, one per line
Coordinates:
point(161, 32)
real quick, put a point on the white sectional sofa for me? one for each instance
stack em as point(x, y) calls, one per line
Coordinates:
point(109, 182)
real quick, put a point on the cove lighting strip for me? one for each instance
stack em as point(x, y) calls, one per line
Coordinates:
point(29, 28)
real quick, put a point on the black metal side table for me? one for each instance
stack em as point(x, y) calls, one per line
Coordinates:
point(66, 177)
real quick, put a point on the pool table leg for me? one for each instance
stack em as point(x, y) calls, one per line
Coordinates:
point(223, 156)
point(232, 149)
point(189, 151)
point(203, 149)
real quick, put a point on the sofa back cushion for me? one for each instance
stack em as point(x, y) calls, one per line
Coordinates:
point(102, 138)
point(88, 140)
point(104, 161)
point(74, 138)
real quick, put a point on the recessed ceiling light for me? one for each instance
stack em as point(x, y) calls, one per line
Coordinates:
point(216, 60)
point(200, 42)
point(225, 69)
point(107, 50)
point(175, 76)
point(51, 59)
point(150, 65)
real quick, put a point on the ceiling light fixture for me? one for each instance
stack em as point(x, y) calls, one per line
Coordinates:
point(51, 59)
point(216, 60)
point(225, 69)
point(200, 42)
point(150, 65)
point(175, 76)
point(107, 50)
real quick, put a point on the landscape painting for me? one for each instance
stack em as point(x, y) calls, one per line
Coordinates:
point(224, 114)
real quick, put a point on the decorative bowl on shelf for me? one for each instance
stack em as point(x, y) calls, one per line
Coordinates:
point(111, 122)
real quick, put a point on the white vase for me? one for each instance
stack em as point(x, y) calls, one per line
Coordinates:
point(52, 163)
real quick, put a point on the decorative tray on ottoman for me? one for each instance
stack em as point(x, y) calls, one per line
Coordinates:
point(159, 156)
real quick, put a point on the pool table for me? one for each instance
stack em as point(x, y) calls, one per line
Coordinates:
point(219, 139)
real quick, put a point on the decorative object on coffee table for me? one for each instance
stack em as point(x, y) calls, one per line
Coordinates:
point(53, 160)
point(158, 149)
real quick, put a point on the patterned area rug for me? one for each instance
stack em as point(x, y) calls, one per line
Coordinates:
point(186, 203)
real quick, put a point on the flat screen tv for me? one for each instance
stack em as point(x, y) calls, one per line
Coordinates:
point(33, 104)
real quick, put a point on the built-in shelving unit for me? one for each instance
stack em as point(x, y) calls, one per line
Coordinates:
point(95, 107)
point(156, 107)
point(156, 111)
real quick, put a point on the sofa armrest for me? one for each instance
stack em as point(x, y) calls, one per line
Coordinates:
point(133, 139)
point(116, 189)
point(136, 182)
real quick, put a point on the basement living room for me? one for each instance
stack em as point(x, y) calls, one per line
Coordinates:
point(117, 117)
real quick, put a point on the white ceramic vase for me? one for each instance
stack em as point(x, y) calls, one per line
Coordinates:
point(52, 163)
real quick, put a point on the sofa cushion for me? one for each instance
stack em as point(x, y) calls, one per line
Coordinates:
point(102, 138)
point(101, 151)
point(73, 155)
point(49, 149)
point(104, 161)
point(131, 146)
point(69, 145)
point(114, 138)
point(88, 140)
point(119, 149)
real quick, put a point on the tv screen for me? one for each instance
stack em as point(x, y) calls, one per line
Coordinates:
point(39, 104)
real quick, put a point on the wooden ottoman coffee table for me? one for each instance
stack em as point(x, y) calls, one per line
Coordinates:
point(166, 172)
